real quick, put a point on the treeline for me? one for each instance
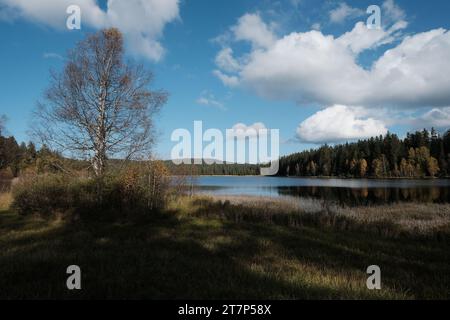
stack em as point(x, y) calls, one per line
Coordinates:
point(232, 169)
point(16, 159)
point(421, 154)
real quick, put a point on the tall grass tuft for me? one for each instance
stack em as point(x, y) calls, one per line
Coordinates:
point(388, 221)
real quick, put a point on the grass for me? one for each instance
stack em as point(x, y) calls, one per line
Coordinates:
point(412, 218)
point(205, 248)
point(5, 200)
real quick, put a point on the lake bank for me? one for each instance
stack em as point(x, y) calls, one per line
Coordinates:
point(413, 218)
point(203, 248)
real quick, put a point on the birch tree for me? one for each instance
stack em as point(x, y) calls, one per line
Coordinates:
point(99, 106)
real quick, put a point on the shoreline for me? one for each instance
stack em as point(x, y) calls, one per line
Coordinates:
point(320, 177)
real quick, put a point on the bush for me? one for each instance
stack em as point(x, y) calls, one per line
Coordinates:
point(138, 189)
point(41, 194)
point(143, 187)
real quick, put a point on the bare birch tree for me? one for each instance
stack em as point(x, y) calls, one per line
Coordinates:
point(99, 106)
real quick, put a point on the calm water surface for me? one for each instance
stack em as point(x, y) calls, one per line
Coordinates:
point(343, 191)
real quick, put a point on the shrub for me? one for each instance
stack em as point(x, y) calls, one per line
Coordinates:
point(41, 194)
point(6, 174)
point(138, 189)
point(144, 186)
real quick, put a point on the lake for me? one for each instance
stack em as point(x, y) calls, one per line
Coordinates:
point(343, 191)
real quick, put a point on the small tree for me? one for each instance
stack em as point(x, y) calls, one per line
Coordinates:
point(432, 166)
point(99, 106)
point(362, 168)
point(377, 167)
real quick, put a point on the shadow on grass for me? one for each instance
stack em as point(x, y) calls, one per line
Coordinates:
point(176, 256)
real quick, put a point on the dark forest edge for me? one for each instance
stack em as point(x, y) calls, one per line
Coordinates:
point(420, 155)
point(423, 154)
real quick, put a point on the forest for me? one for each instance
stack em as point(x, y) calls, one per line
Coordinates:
point(421, 154)
point(215, 169)
point(19, 159)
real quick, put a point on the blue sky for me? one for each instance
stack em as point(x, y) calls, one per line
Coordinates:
point(255, 37)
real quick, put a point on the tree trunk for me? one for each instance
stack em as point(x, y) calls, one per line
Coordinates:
point(98, 163)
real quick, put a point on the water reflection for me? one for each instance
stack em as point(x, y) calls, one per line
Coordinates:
point(368, 196)
point(343, 191)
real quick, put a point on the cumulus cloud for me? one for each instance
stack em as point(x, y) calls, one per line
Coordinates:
point(339, 123)
point(361, 38)
point(225, 60)
point(250, 27)
point(230, 81)
point(53, 13)
point(312, 67)
point(141, 21)
point(344, 12)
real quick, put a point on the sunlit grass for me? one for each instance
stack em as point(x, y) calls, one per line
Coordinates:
point(196, 250)
point(415, 218)
point(5, 200)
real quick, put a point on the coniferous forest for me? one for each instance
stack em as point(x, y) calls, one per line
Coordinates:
point(421, 154)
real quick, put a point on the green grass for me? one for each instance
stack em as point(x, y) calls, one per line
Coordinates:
point(197, 250)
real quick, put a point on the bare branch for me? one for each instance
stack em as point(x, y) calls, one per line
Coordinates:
point(99, 106)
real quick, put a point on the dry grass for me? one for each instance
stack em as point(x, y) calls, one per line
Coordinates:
point(5, 200)
point(211, 248)
point(414, 218)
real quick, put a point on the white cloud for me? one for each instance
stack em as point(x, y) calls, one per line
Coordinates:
point(316, 68)
point(392, 12)
point(53, 13)
point(141, 21)
point(250, 27)
point(416, 72)
point(343, 12)
point(304, 67)
point(230, 81)
point(361, 38)
point(339, 123)
point(225, 60)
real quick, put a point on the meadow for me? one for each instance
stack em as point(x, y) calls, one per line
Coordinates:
point(235, 248)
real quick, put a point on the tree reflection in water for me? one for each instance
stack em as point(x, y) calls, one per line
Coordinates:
point(367, 196)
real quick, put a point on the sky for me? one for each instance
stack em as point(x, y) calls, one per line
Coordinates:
point(312, 69)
